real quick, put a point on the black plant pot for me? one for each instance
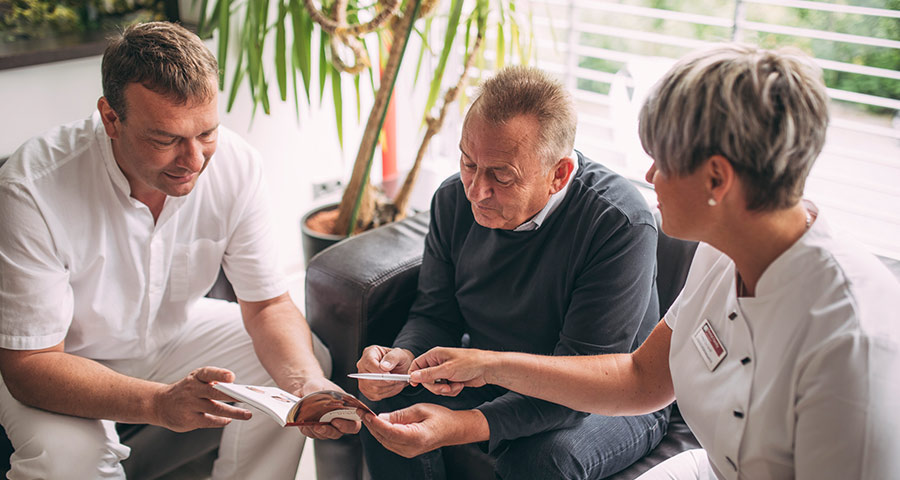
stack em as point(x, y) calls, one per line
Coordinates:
point(314, 242)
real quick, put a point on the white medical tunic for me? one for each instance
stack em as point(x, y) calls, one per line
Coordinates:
point(83, 261)
point(809, 386)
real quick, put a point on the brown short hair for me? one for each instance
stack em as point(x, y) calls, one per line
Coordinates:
point(163, 57)
point(519, 90)
point(766, 111)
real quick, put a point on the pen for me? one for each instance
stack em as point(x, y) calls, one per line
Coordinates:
point(387, 377)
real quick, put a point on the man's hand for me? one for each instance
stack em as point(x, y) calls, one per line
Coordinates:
point(192, 402)
point(459, 367)
point(377, 359)
point(424, 427)
point(283, 342)
point(338, 426)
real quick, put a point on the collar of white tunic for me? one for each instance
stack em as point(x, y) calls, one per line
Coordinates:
point(778, 275)
point(552, 204)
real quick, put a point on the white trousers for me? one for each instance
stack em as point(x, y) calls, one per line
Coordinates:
point(53, 446)
point(688, 465)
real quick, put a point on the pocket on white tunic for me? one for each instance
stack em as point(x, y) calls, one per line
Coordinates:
point(195, 267)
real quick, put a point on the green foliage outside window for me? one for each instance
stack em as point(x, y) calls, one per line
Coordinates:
point(862, 25)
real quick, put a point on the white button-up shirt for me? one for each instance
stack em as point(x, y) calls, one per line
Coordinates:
point(810, 382)
point(83, 261)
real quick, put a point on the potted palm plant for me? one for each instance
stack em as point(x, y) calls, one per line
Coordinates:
point(330, 38)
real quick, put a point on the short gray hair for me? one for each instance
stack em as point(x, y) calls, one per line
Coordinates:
point(519, 90)
point(164, 57)
point(766, 111)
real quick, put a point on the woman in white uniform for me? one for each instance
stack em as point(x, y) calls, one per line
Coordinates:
point(783, 349)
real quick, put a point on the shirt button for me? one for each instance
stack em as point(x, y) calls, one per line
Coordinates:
point(738, 414)
point(732, 315)
point(745, 360)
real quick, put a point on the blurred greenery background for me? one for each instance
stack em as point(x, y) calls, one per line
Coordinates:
point(36, 19)
point(853, 24)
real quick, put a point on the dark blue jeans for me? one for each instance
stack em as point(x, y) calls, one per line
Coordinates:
point(596, 447)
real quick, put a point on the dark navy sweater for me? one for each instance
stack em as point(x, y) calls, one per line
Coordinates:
point(583, 283)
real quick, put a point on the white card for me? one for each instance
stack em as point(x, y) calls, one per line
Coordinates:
point(709, 346)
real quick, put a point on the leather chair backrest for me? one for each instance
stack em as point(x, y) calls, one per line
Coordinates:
point(359, 291)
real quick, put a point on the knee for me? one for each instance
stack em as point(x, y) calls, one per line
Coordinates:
point(541, 458)
point(598, 447)
point(71, 448)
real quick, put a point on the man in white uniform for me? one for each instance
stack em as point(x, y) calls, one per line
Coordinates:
point(114, 228)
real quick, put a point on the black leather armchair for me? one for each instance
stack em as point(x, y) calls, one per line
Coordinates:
point(358, 293)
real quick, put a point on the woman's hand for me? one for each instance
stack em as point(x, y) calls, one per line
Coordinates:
point(446, 371)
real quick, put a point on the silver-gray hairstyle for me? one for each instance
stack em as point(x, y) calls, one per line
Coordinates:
point(519, 90)
point(766, 111)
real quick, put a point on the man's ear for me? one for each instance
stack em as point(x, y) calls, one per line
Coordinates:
point(561, 172)
point(110, 118)
point(720, 177)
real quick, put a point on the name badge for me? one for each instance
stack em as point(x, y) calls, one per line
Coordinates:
point(709, 346)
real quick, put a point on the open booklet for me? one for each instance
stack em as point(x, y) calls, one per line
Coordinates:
point(317, 408)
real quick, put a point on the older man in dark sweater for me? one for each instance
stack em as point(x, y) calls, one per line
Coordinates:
point(529, 250)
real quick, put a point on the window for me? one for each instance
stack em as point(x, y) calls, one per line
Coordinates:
point(611, 52)
point(41, 31)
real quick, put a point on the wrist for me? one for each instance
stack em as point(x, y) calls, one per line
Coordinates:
point(472, 427)
point(304, 382)
point(153, 405)
point(493, 366)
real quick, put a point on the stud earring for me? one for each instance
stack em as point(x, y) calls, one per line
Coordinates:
point(712, 202)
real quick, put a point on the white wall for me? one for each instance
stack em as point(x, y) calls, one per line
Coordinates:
point(296, 155)
point(37, 98)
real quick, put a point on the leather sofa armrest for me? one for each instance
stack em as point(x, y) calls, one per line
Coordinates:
point(359, 291)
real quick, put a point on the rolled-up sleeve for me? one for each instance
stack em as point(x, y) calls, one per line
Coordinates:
point(36, 301)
